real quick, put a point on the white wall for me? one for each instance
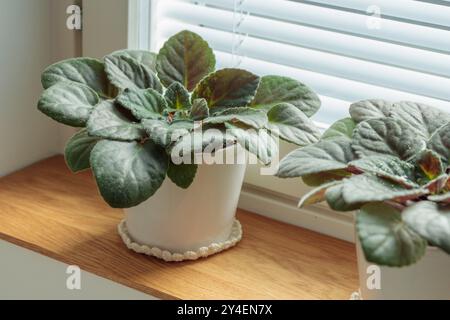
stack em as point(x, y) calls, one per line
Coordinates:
point(33, 34)
point(25, 134)
point(65, 44)
point(105, 27)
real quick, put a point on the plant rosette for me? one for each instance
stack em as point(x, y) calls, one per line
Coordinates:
point(147, 116)
point(389, 161)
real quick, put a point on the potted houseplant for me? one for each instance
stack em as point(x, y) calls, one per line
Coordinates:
point(146, 118)
point(389, 161)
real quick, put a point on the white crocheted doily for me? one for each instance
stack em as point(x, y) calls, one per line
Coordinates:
point(356, 295)
point(233, 239)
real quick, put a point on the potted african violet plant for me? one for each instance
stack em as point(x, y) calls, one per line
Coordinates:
point(389, 161)
point(147, 118)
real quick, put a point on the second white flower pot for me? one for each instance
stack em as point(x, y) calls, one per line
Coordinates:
point(427, 279)
point(186, 224)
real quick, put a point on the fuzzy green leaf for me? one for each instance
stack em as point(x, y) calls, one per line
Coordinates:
point(274, 90)
point(323, 156)
point(197, 142)
point(178, 97)
point(78, 151)
point(341, 128)
point(442, 198)
point(423, 119)
point(370, 109)
point(227, 88)
point(292, 125)
point(183, 174)
point(125, 72)
point(248, 116)
point(335, 199)
point(431, 221)
point(164, 134)
point(385, 238)
point(106, 121)
point(317, 179)
point(87, 71)
point(368, 188)
point(158, 131)
point(185, 58)
point(316, 195)
point(430, 164)
point(143, 103)
point(388, 167)
point(437, 185)
point(68, 103)
point(440, 142)
point(199, 110)
point(128, 173)
point(259, 143)
point(386, 136)
point(146, 58)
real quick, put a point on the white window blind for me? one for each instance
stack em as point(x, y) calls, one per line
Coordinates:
point(344, 50)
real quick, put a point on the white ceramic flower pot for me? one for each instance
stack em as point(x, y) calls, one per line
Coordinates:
point(178, 224)
point(427, 279)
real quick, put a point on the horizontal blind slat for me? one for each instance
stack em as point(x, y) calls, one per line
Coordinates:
point(331, 50)
point(341, 89)
point(332, 108)
point(347, 22)
point(362, 48)
point(326, 63)
point(326, 85)
point(406, 9)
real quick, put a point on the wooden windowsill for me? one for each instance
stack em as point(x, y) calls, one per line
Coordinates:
point(47, 209)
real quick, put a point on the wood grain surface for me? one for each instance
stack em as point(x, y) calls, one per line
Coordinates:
point(47, 209)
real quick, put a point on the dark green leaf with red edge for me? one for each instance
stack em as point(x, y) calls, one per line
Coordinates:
point(185, 58)
point(438, 184)
point(178, 97)
point(430, 164)
point(227, 88)
point(199, 110)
